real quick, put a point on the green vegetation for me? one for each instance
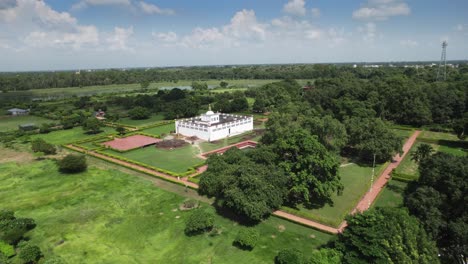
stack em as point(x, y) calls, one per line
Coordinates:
point(198, 222)
point(247, 238)
point(69, 135)
point(108, 216)
point(438, 135)
point(209, 146)
point(356, 181)
point(438, 200)
point(9, 123)
point(391, 195)
point(144, 122)
point(139, 113)
point(177, 160)
point(39, 145)
point(72, 163)
point(386, 235)
point(157, 131)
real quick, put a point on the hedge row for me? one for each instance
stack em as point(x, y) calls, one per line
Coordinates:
point(449, 143)
point(92, 139)
point(404, 177)
point(113, 124)
point(170, 173)
point(147, 173)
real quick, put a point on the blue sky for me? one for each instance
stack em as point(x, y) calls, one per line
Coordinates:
point(82, 34)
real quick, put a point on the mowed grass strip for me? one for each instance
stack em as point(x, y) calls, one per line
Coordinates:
point(177, 160)
point(106, 216)
point(391, 195)
point(356, 180)
point(9, 123)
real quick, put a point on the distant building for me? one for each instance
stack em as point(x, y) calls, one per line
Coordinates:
point(213, 126)
point(100, 114)
point(18, 111)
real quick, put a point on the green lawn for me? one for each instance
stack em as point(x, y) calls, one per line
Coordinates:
point(153, 119)
point(391, 195)
point(177, 160)
point(405, 134)
point(106, 216)
point(408, 166)
point(209, 146)
point(70, 135)
point(356, 180)
point(166, 129)
point(438, 135)
point(8, 123)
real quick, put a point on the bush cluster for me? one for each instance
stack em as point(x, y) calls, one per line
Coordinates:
point(247, 238)
point(39, 145)
point(72, 163)
point(198, 222)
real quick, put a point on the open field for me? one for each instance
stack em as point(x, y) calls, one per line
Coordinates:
point(106, 216)
point(178, 160)
point(438, 136)
point(70, 135)
point(8, 123)
point(356, 180)
point(166, 129)
point(391, 195)
point(405, 134)
point(144, 122)
point(209, 146)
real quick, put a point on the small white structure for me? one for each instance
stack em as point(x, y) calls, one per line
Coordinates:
point(213, 126)
point(18, 111)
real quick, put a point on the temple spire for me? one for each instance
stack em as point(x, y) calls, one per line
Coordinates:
point(209, 107)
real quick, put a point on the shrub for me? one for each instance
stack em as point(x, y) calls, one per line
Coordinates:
point(139, 113)
point(72, 163)
point(13, 229)
point(289, 256)
point(6, 249)
point(39, 145)
point(198, 222)
point(4, 259)
point(247, 238)
point(30, 254)
point(54, 260)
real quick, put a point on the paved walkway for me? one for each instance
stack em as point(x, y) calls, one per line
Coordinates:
point(363, 204)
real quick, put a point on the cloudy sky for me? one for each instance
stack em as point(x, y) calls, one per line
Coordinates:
point(81, 34)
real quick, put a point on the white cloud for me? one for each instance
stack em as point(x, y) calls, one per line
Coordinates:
point(409, 43)
point(155, 10)
point(86, 3)
point(244, 25)
point(118, 40)
point(5, 4)
point(368, 31)
point(315, 12)
point(166, 37)
point(382, 10)
point(295, 7)
point(34, 23)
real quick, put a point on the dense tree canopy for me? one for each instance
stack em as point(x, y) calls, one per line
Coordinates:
point(386, 235)
point(439, 201)
point(246, 183)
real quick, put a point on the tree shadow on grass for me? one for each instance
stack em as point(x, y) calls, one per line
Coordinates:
point(231, 215)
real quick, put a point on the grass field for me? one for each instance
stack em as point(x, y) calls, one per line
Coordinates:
point(209, 146)
point(106, 216)
point(166, 129)
point(438, 136)
point(8, 123)
point(70, 135)
point(391, 195)
point(356, 180)
point(177, 160)
point(405, 134)
point(144, 122)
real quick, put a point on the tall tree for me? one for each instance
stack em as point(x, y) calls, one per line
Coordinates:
point(386, 235)
point(439, 201)
point(423, 151)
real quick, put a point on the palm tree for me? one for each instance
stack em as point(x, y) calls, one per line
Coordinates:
point(422, 152)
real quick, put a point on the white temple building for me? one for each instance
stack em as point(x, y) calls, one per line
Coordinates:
point(214, 126)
